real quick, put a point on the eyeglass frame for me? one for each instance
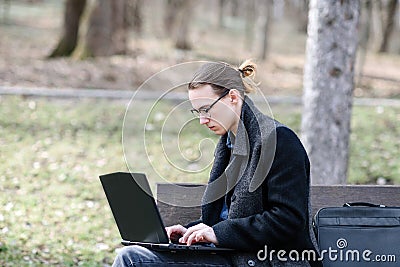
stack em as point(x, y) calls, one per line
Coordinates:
point(198, 113)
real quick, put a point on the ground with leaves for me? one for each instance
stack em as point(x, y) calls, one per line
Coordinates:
point(32, 31)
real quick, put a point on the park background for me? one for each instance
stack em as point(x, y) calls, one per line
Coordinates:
point(52, 207)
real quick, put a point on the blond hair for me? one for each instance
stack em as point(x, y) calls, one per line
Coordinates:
point(222, 76)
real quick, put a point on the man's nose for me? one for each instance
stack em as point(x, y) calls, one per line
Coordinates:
point(204, 120)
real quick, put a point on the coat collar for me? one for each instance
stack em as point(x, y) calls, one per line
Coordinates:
point(241, 146)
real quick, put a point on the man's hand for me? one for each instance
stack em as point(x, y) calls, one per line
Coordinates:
point(199, 233)
point(175, 232)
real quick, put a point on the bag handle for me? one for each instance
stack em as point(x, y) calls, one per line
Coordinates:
point(362, 204)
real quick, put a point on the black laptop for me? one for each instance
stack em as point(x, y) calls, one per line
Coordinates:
point(137, 216)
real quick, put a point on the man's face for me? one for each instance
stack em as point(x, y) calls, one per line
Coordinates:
point(221, 117)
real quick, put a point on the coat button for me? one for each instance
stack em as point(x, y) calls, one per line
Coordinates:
point(251, 263)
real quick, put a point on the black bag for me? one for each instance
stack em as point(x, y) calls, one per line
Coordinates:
point(359, 234)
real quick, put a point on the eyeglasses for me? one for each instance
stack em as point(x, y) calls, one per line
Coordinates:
point(204, 112)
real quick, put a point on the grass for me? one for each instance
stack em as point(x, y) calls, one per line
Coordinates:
point(53, 210)
point(51, 200)
point(375, 145)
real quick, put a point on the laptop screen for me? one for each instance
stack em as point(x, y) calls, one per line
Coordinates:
point(134, 210)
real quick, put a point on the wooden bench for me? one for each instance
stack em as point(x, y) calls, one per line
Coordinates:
point(321, 196)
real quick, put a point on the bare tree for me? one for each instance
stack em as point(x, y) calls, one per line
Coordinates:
point(102, 27)
point(72, 16)
point(250, 24)
point(183, 21)
point(297, 12)
point(302, 14)
point(171, 7)
point(98, 38)
point(365, 32)
point(221, 8)
point(6, 5)
point(268, 10)
point(377, 26)
point(234, 8)
point(328, 86)
point(119, 27)
point(135, 13)
point(388, 29)
point(178, 15)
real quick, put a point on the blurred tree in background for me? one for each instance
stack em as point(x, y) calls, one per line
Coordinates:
point(388, 29)
point(178, 16)
point(104, 26)
point(72, 17)
point(268, 11)
point(101, 27)
point(135, 17)
point(328, 87)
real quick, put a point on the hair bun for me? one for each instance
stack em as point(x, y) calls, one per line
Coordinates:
point(248, 69)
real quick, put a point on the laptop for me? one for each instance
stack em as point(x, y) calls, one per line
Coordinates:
point(137, 216)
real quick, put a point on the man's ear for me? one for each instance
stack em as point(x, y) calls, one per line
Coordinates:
point(234, 96)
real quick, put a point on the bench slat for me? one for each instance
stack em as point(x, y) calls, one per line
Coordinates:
point(321, 196)
point(337, 195)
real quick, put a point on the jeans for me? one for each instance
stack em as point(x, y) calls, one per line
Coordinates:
point(140, 256)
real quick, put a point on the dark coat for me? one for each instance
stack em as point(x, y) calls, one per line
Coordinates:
point(266, 181)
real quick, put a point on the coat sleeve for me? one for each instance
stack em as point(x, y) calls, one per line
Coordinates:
point(285, 202)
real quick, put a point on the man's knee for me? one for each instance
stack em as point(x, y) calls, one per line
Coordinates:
point(131, 255)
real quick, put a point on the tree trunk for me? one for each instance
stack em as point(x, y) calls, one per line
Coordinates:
point(135, 15)
point(303, 18)
point(235, 8)
point(221, 8)
point(328, 86)
point(182, 31)
point(119, 25)
point(391, 12)
point(170, 15)
point(72, 16)
point(6, 11)
point(106, 33)
point(377, 28)
point(99, 35)
point(250, 25)
point(296, 11)
point(365, 30)
point(269, 5)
